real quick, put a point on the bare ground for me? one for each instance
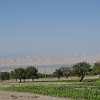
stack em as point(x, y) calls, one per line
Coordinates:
point(26, 96)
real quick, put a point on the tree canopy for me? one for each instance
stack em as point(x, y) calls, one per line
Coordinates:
point(96, 69)
point(81, 69)
point(58, 73)
point(20, 73)
point(4, 76)
point(31, 72)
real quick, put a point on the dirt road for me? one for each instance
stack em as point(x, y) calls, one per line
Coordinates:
point(26, 96)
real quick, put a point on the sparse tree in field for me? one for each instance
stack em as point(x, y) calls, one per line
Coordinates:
point(49, 75)
point(4, 76)
point(58, 73)
point(13, 75)
point(81, 69)
point(20, 74)
point(96, 69)
point(31, 72)
point(66, 71)
point(63, 71)
point(40, 75)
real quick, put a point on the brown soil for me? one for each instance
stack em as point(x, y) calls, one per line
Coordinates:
point(26, 96)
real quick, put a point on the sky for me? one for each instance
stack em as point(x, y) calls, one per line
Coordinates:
point(49, 26)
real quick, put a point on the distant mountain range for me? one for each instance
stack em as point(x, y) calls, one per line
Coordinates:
point(47, 60)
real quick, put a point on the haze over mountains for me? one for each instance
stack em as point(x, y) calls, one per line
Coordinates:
point(47, 60)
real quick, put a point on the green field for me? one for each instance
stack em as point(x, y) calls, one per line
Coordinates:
point(89, 89)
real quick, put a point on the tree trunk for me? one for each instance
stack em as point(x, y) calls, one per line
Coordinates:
point(81, 78)
point(20, 80)
point(67, 76)
point(58, 77)
point(32, 79)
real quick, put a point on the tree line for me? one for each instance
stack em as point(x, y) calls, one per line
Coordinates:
point(80, 69)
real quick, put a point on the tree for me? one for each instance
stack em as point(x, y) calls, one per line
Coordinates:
point(4, 76)
point(96, 69)
point(63, 71)
point(40, 75)
point(31, 72)
point(66, 71)
point(13, 75)
point(20, 74)
point(58, 73)
point(81, 69)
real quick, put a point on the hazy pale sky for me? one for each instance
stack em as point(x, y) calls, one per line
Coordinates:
point(49, 26)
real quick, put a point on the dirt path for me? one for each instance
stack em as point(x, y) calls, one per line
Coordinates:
point(26, 96)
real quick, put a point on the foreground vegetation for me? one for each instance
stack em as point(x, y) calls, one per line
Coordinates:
point(78, 89)
point(89, 89)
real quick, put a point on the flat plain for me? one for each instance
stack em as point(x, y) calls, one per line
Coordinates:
point(51, 89)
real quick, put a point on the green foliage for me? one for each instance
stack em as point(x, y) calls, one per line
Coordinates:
point(31, 72)
point(81, 69)
point(40, 75)
point(20, 73)
point(61, 72)
point(24, 73)
point(4, 76)
point(66, 71)
point(13, 75)
point(48, 75)
point(77, 91)
point(58, 73)
point(96, 68)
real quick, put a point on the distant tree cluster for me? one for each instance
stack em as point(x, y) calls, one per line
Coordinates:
point(4, 76)
point(24, 73)
point(96, 69)
point(20, 73)
point(61, 72)
point(80, 69)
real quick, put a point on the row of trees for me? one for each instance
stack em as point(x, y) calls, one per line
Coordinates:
point(80, 69)
point(24, 73)
point(20, 73)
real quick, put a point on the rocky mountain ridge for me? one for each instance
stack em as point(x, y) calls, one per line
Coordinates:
point(48, 60)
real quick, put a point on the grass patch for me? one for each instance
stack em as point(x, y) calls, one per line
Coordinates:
point(88, 89)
